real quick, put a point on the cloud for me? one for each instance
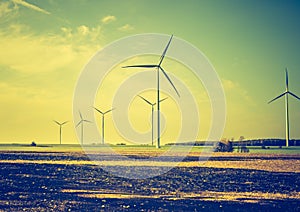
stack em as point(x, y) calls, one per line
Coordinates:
point(83, 35)
point(5, 9)
point(66, 31)
point(235, 90)
point(26, 52)
point(33, 54)
point(126, 27)
point(108, 19)
point(30, 6)
point(228, 84)
point(83, 30)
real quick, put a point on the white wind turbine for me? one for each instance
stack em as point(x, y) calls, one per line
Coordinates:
point(103, 114)
point(159, 68)
point(81, 123)
point(152, 110)
point(60, 127)
point(286, 94)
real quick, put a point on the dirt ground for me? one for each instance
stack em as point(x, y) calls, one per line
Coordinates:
point(60, 181)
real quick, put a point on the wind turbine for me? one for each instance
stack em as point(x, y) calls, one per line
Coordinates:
point(286, 94)
point(159, 68)
point(103, 114)
point(60, 126)
point(152, 110)
point(81, 123)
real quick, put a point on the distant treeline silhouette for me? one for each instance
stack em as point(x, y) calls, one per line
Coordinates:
point(253, 142)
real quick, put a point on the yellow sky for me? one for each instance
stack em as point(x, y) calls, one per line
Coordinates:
point(45, 45)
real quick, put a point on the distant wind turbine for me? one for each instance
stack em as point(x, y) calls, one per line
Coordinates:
point(60, 126)
point(152, 110)
point(81, 123)
point(286, 94)
point(103, 114)
point(158, 66)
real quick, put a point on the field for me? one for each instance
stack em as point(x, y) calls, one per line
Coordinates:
point(63, 178)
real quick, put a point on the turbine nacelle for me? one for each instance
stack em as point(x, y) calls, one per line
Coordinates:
point(60, 124)
point(152, 107)
point(60, 128)
point(103, 114)
point(283, 94)
point(82, 120)
point(159, 68)
point(286, 94)
point(150, 103)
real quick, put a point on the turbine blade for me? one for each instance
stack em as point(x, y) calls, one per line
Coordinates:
point(84, 120)
point(78, 123)
point(140, 66)
point(286, 80)
point(56, 122)
point(165, 51)
point(64, 122)
point(98, 110)
point(109, 110)
point(163, 71)
point(294, 95)
point(163, 99)
point(277, 97)
point(146, 100)
point(80, 114)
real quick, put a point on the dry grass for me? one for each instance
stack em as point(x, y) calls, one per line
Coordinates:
point(204, 195)
point(273, 164)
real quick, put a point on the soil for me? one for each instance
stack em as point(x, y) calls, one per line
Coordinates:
point(248, 185)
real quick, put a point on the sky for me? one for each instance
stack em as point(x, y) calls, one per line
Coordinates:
point(46, 44)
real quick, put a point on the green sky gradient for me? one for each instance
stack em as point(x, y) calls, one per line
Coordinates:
point(249, 43)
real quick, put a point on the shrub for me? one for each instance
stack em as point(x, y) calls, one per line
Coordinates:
point(223, 146)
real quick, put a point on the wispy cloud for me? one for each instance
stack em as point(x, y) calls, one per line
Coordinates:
point(83, 35)
point(108, 19)
point(126, 27)
point(228, 84)
point(234, 88)
point(8, 11)
point(30, 6)
point(71, 46)
point(83, 30)
point(4, 8)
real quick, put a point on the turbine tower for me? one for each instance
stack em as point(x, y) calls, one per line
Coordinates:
point(286, 94)
point(60, 126)
point(152, 110)
point(159, 68)
point(103, 114)
point(81, 123)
